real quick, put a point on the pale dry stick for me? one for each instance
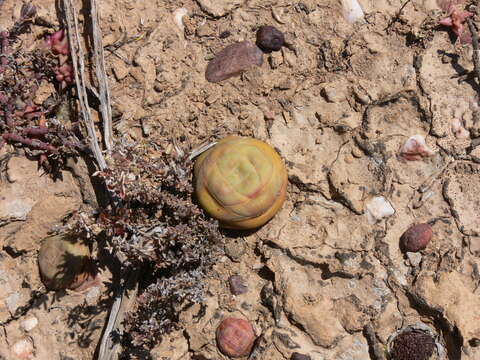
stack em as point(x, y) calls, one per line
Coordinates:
point(126, 293)
point(476, 51)
point(104, 91)
point(77, 56)
point(109, 350)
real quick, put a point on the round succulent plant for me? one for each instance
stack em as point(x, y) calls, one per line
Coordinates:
point(241, 181)
point(63, 262)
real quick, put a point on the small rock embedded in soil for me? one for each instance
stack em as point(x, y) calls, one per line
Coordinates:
point(417, 237)
point(235, 249)
point(29, 323)
point(235, 337)
point(378, 208)
point(269, 39)
point(413, 345)
point(415, 148)
point(233, 60)
point(298, 356)
point(23, 349)
point(237, 285)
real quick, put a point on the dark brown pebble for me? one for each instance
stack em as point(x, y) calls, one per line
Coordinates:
point(233, 60)
point(298, 356)
point(235, 337)
point(417, 237)
point(269, 39)
point(237, 285)
point(225, 34)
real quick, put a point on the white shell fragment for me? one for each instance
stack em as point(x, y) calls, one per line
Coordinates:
point(378, 208)
point(352, 11)
point(415, 148)
point(178, 17)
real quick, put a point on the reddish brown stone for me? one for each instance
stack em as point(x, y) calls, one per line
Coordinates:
point(233, 60)
point(235, 337)
point(237, 285)
point(416, 237)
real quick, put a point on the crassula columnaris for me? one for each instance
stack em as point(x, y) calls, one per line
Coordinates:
point(63, 262)
point(241, 181)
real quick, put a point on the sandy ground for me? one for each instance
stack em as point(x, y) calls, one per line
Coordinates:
point(338, 103)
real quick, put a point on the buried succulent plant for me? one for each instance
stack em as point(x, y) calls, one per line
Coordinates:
point(415, 342)
point(241, 181)
point(63, 262)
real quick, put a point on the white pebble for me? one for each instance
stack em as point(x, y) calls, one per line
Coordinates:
point(415, 148)
point(23, 349)
point(29, 323)
point(178, 17)
point(352, 11)
point(459, 131)
point(378, 208)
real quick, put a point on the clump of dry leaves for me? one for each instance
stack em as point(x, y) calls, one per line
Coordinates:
point(155, 225)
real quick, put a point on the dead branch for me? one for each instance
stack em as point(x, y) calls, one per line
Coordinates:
point(104, 92)
point(476, 51)
point(77, 56)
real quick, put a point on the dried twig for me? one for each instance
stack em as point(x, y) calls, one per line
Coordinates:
point(104, 92)
point(109, 350)
point(77, 56)
point(476, 51)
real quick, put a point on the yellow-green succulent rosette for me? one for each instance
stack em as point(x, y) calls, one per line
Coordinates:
point(241, 181)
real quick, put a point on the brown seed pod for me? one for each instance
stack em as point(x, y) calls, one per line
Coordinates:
point(235, 337)
point(63, 262)
point(416, 237)
point(269, 39)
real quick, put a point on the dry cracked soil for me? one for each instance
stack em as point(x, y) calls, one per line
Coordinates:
point(326, 277)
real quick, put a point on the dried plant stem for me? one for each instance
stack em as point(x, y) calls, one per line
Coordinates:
point(123, 302)
point(104, 92)
point(476, 50)
point(77, 56)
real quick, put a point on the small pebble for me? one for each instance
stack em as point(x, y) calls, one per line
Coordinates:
point(416, 237)
point(269, 39)
point(298, 356)
point(233, 60)
point(415, 148)
point(23, 349)
point(29, 323)
point(237, 285)
point(224, 34)
point(235, 248)
point(414, 258)
point(378, 208)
